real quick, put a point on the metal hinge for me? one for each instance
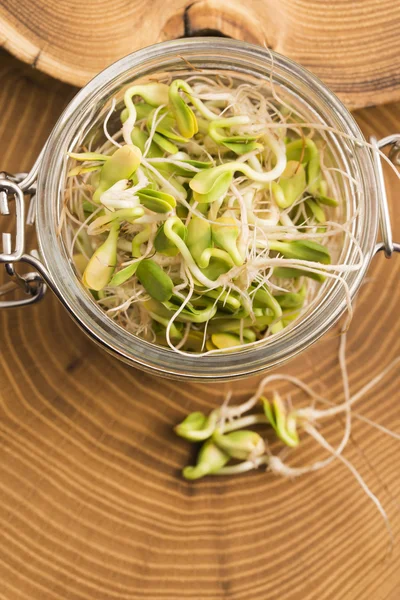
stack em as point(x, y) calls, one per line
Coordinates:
point(387, 245)
point(12, 190)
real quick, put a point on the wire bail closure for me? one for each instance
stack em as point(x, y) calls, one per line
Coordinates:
point(388, 246)
point(13, 250)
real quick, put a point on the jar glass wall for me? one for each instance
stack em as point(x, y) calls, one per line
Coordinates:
point(247, 63)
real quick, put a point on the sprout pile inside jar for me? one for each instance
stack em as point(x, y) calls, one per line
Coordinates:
point(209, 218)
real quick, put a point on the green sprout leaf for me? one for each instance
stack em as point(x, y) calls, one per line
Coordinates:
point(283, 424)
point(292, 185)
point(164, 245)
point(225, 233)
point(185, 117)
point(214, 182)
point(240, 144)
point(122, 164)
point(242, 445)
point(123, 275)
point(292, 273)
point(154, 280)
point(198, 237)
point(197, 427)
point(139, 239)
point(100, 267)
point(263, 298)
point(139, 139)
point(291, 300)
point(302, 250)
point(167, 125)
point(156, 201)
point(209, 461)
point(104, 222)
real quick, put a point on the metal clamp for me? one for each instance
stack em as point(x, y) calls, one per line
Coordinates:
point(32, 284)
point(7, 188)
point(388, 246)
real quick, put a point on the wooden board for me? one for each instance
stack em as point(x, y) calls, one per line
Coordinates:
point(351, 45)
point(92, 505)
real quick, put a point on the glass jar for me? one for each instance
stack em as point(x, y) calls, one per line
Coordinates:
point(366, 202)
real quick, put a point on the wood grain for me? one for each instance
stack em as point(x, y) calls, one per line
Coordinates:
point(92, 505)
point(351, 44)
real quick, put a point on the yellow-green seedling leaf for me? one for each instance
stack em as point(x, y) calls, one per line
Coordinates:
point(167, 126)
point(306, 151)
point(209, 461)
point(80, 170)
point(181, 211)
point(314, 174)
point(218, 191)
point(210, 346)
point(174, 330)
point(323, 187)
point(227, 300)
point(314, 209)
point(89, 156)
point(122, 164)
point(292, 184)
point(276, 327)
point(166, 246)
point(139, 239)
point(291, 300)
point(153, 93)
point(123, 275)
point(88, 207)
point(225, 232)
point(323, 199)
point(142, 111)
point(292, 273)
point(179, 169)
point(104, 222)
point(101, 266)
point(154, 280)
point(198, 237)
point(242, 445)
point(185, 117)
point(197, 427)
point(139, 138)
point(302, 149)
point(302, 250)
point(227, 324)
point(159, 202)
point(240, 144)
point(289, 317)
point(192, 314)
point(210, 253)
point(248, 334)
point(165, 144)
point(156, 308)
point(216, 268)
point(211, 185)
point(247, 325)
point(194, 342)
point(226, 340)
point(284, 425)
point(263, 298)
point(80, 262)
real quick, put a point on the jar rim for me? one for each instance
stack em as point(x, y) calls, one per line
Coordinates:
point(90, 316)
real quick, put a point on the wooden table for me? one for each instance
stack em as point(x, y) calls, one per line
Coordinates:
point(92, 506)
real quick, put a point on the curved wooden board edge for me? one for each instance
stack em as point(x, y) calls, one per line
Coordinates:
point(348, 45)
